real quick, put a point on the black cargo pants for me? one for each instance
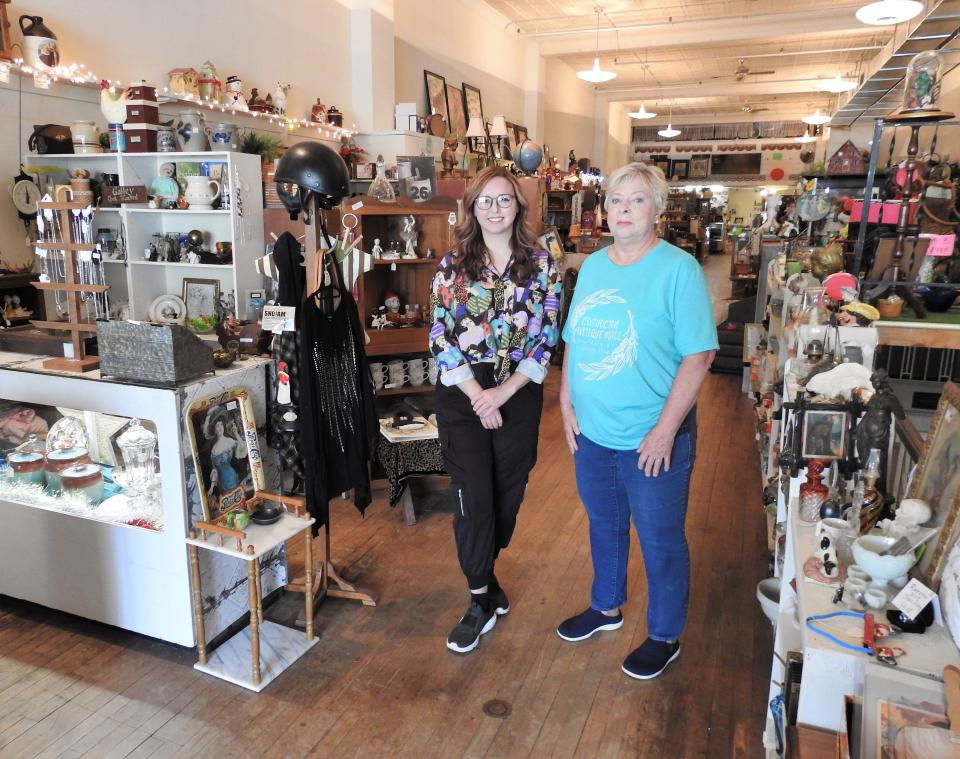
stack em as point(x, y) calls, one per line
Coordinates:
point(488, 470)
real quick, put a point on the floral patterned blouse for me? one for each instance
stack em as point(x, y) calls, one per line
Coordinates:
point(495, 320)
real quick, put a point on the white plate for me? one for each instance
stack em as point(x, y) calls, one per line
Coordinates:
point(168, 303)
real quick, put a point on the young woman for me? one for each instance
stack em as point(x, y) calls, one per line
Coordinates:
point(496, 298)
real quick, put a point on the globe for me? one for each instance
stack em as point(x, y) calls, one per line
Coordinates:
point(528, 156)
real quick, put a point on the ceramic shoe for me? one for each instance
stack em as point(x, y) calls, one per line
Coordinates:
point(587, 623)
point(465, 635)
point(650, 659)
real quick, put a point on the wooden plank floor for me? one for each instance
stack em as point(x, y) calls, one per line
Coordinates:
point(381, 682)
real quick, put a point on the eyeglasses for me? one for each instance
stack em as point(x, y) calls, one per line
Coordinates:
point(483, 202)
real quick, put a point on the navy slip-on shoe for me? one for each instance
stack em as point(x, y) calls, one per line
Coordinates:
point(650, 659)
point(587, 623)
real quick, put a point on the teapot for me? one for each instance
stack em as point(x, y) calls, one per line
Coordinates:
point(40, 49)
point(199, 194)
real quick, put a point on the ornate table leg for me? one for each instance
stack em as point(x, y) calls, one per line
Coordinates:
point(308, 582)
point(252, 572)
point(198, 604)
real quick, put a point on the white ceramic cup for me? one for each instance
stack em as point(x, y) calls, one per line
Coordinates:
point(432, 371)
point(396, 373)
point(853, 571)
point(417, 370)
point(876, 599)
point(853, 587)
point(379, 375)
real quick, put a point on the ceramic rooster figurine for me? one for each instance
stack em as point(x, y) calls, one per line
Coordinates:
point(112, 106)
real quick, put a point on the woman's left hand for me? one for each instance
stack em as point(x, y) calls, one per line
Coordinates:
point(655, 452)
point(490, 400)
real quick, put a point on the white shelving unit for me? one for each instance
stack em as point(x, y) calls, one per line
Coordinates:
point(241, 225)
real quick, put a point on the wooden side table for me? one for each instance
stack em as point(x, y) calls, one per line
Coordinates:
point(257, 654)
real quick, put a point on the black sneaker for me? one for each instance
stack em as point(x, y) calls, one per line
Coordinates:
point(587, 623)
point(465, 635)
point(651, 658)
point(498, 599)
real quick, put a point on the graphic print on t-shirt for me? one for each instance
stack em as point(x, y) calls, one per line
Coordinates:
point(620, 345)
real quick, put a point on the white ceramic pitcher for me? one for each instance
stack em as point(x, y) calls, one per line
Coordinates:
point(190, 129)
point(201, 192)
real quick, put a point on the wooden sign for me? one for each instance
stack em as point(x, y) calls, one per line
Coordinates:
point(134, 193)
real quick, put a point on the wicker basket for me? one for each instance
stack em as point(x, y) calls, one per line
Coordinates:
point(890, 309)
point(158, 354)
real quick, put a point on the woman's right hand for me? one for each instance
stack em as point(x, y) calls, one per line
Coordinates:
point(570, 426)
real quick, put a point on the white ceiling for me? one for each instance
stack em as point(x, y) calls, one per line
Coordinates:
point(685, 54)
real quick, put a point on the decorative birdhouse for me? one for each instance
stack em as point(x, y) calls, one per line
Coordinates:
point(847, 160)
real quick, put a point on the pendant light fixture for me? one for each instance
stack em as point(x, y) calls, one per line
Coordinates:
point(669, 131)
point(816, 119)
point(888, 12)
point(641, 113)
point(836, 85)
point(596, 75)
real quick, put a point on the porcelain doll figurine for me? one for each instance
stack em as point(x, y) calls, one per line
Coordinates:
point(376, 251)
point(392, 303)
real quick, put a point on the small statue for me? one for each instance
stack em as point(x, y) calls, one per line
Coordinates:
point(409, 235)
point(376, 251)
point(391, 302)
point(280, 98)
point(234, 96)
point(268, 106)
point(378, 319)
point(873, 430)
point(256, 103)
point(165, 186)
point(318, 113)
point(209, 82)
point(448, 156)
point(571, 161)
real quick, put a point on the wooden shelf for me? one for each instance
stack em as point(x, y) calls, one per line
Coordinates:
point(365, 205)
point(386, 342)
point(407, 262)
point(406, 389)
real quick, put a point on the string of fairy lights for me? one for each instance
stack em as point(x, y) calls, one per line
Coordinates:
point(79, 74)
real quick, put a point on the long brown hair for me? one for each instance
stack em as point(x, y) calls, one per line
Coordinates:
point(470, 254)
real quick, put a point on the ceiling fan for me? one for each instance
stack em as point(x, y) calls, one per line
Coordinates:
point(742, 72)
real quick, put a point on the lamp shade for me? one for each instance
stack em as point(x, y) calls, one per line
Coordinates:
point(669, 131)
point(887, 12)
point(499, 127)
point(816, 119)
point(836, 84)
point(475, 129)
point(641, 113)
point(596, 74)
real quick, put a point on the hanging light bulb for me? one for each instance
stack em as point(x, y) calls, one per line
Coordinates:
point(596, 74)
point(888, 12)
point(836, 84)
point(816, 119)
point(669, 131)
point(641, 113)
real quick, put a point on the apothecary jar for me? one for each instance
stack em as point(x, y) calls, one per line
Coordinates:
point(922, 88)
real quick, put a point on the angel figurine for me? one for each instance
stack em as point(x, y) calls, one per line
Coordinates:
point(409, 235)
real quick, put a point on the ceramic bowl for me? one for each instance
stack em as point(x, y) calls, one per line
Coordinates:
point(768, 594)
point(266, 515)
point(866, 551)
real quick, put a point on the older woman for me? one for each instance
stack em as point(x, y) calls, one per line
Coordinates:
point(640, 339)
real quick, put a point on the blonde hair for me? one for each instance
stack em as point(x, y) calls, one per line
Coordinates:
point(651, 177)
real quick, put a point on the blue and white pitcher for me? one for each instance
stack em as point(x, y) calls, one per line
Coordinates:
point(222, 136)
point(191, 133)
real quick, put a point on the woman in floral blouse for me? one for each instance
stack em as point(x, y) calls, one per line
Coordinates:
point(496, 299)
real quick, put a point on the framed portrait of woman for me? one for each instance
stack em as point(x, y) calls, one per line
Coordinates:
point(226, 451)
point(937, 482)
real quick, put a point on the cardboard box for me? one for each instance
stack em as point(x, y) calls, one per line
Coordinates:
point(141, 138)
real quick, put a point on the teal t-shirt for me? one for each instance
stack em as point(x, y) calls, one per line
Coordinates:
point(628, 329)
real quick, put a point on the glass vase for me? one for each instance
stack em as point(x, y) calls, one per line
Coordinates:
point(813, 493)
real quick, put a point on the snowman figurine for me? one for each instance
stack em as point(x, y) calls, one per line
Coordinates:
point(234, 95)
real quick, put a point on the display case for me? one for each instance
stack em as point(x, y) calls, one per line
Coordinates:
point(111, 548)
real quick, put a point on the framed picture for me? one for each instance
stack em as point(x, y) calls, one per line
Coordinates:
point(549, 240)
point(521, 134)
point(458, 117)
point(366, 170)
point(662, 162)
point(226, 451)
point(679, 169)
point(201, 297)
point(472, 104)
point(824, 434)
point(937, 481)
point(6, 54)
point(699, 167)
point(436, 95)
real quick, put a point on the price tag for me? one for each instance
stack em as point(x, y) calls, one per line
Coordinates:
point(276, 318)
point(357, 206)
point(913, 598)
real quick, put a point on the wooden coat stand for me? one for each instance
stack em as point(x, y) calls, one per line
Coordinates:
point(73, 289)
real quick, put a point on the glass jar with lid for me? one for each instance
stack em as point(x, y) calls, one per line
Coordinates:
point(137, 446)
point(922, 88)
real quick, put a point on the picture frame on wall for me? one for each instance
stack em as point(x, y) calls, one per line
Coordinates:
point(226, 451)
point(662, 162)
point(365, 170)
point(824, 435)
point(679, 169)
point(436, 87)
point(937, 482)
point(6, 52)
point(699, 167)
point(521, 134)
point(472, 102)
point(457, 123)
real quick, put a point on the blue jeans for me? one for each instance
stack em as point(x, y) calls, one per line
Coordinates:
point(613, 489)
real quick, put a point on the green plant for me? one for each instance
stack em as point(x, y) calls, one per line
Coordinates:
point(264, 145)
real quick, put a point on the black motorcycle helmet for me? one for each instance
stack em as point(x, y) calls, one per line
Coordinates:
point(311, 170)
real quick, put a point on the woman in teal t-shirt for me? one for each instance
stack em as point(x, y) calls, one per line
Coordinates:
point(640, 339)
